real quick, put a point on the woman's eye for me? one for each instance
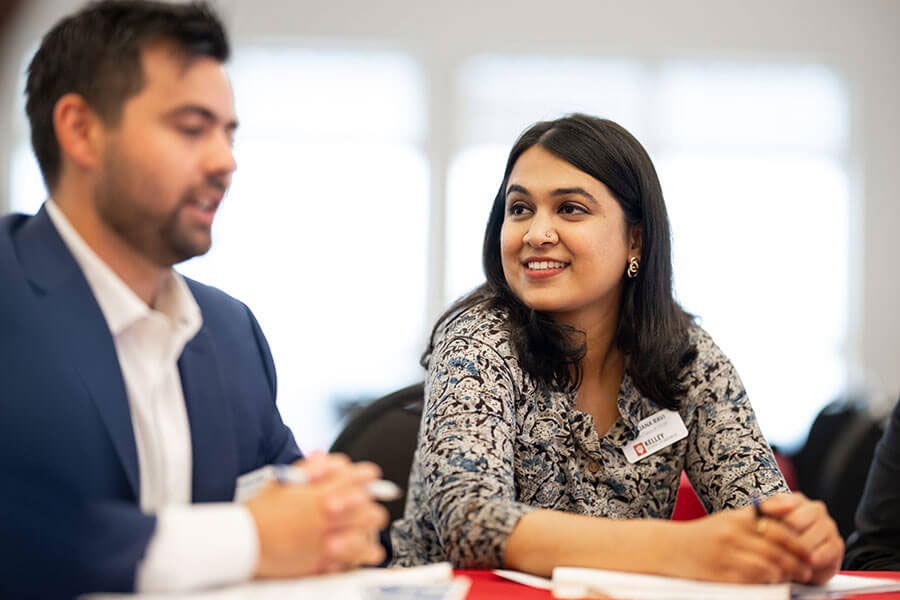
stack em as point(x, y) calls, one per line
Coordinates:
point(518, 210)
point(571, 209)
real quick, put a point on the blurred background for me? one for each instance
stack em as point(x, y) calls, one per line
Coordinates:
point(373, 137)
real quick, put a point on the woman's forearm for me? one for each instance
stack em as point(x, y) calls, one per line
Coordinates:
point(734, 545)
point(544, 539)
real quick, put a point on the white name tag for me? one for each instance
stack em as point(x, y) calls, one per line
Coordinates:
point(657, 431)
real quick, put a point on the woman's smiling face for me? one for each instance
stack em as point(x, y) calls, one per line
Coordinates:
point(564, 243)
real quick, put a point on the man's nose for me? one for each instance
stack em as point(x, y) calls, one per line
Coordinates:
point(220, 159)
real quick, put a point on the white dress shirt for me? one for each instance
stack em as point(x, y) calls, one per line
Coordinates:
point(193, 545)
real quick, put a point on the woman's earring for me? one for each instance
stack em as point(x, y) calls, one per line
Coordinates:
point(634, 265)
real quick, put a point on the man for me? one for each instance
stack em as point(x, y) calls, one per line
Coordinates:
point(875, 545)
point(132, 398)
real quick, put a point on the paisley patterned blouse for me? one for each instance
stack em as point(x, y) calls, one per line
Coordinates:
point(493, 446)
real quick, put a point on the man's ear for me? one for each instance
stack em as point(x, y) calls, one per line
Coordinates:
point(636, 238)
point(78, 131)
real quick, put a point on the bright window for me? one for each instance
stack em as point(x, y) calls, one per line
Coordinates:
point(753, 164)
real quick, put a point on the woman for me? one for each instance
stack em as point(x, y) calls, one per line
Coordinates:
point(565, 396)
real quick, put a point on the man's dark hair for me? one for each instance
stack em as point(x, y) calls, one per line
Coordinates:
point(652, 330)
point(96, 53)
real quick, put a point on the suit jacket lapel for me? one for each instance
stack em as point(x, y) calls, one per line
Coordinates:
point(82, 336)
point(215, 462)
point(79, 332)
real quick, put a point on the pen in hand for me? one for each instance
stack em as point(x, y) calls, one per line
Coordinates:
point(250, 483)
point(761, 523)
point(381, 489)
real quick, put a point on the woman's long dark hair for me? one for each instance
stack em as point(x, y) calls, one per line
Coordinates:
point(652, 330)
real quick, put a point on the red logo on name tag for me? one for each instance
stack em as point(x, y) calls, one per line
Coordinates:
point(639, 449)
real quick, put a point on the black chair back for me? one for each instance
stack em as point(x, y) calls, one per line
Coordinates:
point(385, 432)
point(833, 463)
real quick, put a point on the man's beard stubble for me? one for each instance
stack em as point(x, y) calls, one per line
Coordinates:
point(164, 243)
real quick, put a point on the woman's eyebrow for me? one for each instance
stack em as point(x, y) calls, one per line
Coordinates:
point(517, 188)
point(574, 190)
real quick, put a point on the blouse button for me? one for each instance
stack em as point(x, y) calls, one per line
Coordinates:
point(593, 467)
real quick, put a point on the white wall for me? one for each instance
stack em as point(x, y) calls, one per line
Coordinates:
point(860, 40)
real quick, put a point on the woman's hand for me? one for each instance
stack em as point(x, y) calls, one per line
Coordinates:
point(735, 546)
point(816, 530)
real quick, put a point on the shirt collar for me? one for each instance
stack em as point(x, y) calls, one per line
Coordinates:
point(120, 306)
point(633, 406)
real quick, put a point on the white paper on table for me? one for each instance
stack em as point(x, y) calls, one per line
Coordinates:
point(525, 578)
point(570, 582)
point(573, 582)
point(352, 585)
point(845, 585)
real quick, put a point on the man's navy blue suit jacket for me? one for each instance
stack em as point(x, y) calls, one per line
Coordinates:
point(69, 487)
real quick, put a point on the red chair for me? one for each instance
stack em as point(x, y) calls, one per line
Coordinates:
point(687, 504)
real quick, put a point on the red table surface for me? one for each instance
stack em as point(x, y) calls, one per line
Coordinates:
point(487, 585)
